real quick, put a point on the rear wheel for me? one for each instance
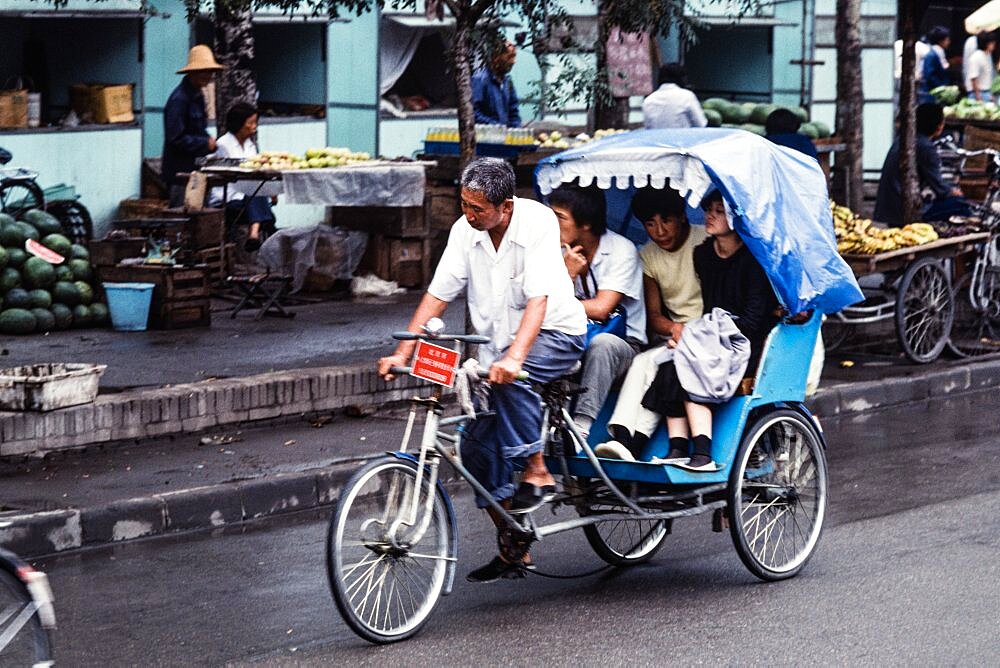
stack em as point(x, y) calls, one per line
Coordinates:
point(387, 576)
point(16, 197)
point(924, 310)
point(971, 331)
point(23, 640)
point(778, 494)
point(626, 542)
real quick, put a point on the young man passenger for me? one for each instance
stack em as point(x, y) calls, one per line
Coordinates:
point(673, 297)
point(607, 275)
point(504, 253)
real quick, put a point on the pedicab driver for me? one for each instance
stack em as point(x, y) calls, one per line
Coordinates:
point(505, 252)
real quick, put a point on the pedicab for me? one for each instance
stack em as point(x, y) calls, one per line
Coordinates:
point(392, 545)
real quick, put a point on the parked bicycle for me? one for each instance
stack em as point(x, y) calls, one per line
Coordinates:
point(19, 191)
point(27, 615)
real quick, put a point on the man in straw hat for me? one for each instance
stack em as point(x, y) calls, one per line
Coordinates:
point(185, 122)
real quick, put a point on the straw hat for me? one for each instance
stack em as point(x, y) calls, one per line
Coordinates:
point(200, 58)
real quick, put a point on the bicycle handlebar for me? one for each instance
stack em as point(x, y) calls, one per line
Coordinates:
point(482, 373)
point(464, 338)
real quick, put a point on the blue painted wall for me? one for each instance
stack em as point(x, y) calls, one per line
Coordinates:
point(167, 41)
point(352, 83)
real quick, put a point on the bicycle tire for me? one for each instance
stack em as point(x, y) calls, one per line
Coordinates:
point(17, 196)
point(971, 331)
point(356, 533)
point(627, 542)
point(76, 222)
point(29, 643)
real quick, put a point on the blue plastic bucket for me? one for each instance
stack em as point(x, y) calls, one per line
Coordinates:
point(129, 305)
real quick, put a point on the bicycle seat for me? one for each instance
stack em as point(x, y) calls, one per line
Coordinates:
point(5, 156)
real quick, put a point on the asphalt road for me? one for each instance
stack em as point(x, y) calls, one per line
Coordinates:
point(906, 573)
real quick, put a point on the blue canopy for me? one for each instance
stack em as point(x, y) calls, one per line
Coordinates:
point(778, 197)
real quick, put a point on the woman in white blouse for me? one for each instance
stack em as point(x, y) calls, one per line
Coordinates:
point(238, 142)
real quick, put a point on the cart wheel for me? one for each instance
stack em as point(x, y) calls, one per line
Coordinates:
point(385, 576)
point(924, 310)
point(626, 542)
point(971, 331)
point(835, 332)
point(777, 495)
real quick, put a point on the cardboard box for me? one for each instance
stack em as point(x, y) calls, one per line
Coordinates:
point(102, 103)
point(14, 108)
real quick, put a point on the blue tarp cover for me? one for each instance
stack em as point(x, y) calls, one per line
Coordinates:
point(778, 196)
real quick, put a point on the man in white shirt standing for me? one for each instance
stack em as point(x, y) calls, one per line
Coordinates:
point(672, 105)
point(505, 253)
point(979, 68)
point(607, 276)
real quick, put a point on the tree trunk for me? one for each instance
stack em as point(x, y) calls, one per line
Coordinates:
point(850, 98)
point(907, 115)
point(461, 52)
point(607, 111)
point(234, 49)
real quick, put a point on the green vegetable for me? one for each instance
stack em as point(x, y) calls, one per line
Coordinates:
point(946, 94)
point(713, 117)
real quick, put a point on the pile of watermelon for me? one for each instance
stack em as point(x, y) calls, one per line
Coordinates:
point(752, 116)
point(45, 279)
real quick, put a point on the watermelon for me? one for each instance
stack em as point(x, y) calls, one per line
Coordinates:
point(3, 257)
point(86, 292)
point(58, 243)
point(6, 219)
point(16, 257)
point(28, 230)
point(17, 298)
point(81, 316)
point(63, 315)
point(822, 129)
point(17, 321)
point(42, 221)
point(716, 103)
point(47, 254)
point(99, 313)
point(735, 114)
point(11, 235)
point(78, 252)
point(64, 273)
point(754, 128)
point(81, 269)
point(66, 293)
point(10, 278)
point(714, 118)
point(809, 130)
point(801, 113)
point(40, 298)
point(761, 112)
point(44, 320)
point(38, 273)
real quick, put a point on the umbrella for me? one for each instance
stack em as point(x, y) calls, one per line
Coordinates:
point(984, 19)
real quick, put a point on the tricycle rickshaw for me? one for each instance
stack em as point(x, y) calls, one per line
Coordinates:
point(393, 541)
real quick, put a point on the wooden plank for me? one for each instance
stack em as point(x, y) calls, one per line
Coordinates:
point(869, 264)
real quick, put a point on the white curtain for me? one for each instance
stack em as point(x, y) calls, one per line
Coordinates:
point(398, 44)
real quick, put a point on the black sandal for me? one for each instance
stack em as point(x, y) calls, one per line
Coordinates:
point(495, 570)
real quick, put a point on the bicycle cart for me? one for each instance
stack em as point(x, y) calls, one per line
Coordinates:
point(392, 546)
point(915, 293)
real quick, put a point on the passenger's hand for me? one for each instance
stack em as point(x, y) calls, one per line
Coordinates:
point(211, 144)
point(676, 330)
point(956, 192)
point(387, 363)
point(504, 371)
point(671, 343)
point(576, 262)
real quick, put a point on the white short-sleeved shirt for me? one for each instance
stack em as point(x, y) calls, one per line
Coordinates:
point(616, 267)
point(228, 146)
point(980, 68)
point(500, 281)
point(671, 106)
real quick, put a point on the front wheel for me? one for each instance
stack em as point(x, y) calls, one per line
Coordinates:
point(924, 310)
point(385, 573)
point(23, 640)
point(18, 196)
point(778, 494)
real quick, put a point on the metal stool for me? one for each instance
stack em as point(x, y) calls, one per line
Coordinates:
point(265, 292)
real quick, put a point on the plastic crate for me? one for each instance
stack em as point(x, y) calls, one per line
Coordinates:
point(46, 387)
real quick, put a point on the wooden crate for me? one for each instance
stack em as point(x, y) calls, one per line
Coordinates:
point(441, 206)
point(218, 260)
point(170, 283)
point(109, 252)
point(205, 228)
point(976, 138)
point(132, 209)
point(404, 261)
point(395, 221)
point(178, 314)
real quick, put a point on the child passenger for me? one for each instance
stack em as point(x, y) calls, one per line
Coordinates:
point(731, 279)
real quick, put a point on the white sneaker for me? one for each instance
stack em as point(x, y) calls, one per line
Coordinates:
point(614, 450)
point(708, 467)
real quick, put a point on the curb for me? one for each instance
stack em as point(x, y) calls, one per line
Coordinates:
point(43, 533)
point(193, 407)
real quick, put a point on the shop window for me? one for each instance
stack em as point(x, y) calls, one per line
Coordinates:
point(416, 72)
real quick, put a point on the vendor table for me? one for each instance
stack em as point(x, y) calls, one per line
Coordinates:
point(916, 292)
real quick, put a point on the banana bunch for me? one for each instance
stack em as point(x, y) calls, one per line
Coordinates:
point(860, 235)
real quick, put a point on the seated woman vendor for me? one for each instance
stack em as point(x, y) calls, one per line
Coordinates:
point(732, 280)
point(238, 142)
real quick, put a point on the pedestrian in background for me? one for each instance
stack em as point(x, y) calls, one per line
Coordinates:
point(782, 128)
point(672, 105)
point(185, 121)
point(979, 69)
point(494, 99)
point(936, 64)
